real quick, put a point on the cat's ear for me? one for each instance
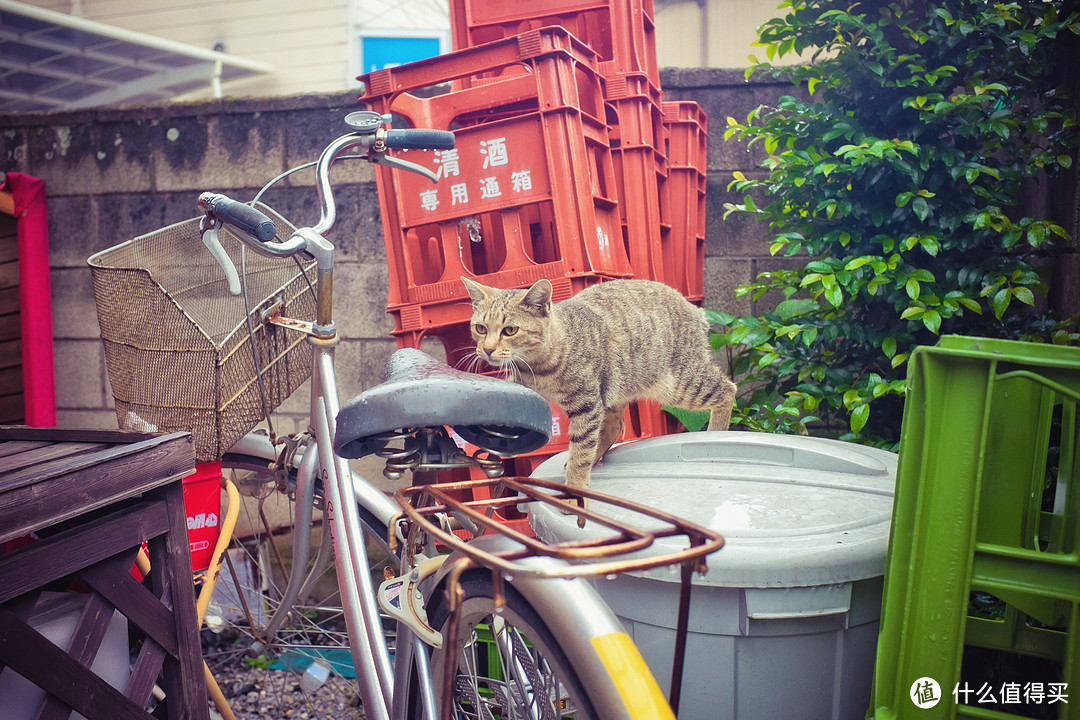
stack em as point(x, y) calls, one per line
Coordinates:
point(538, 298)
point(476, 291)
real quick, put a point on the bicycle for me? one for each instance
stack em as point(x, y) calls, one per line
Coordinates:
point(501, 625)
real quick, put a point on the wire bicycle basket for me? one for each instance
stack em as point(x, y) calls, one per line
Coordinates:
point(181, 352)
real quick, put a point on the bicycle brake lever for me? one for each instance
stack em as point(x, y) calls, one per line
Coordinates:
point(399, 164)
point(208, 230)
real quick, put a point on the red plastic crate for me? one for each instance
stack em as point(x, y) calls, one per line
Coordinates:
point(623, 32)
point(639, 212)
point(637, 132)
point(635, 113)
point(682, 197)
point(528, 192)
point(687, 131)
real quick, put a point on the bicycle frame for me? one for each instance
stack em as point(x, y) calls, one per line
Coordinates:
point(342, 490)
point(370, 654)
point(579, 625)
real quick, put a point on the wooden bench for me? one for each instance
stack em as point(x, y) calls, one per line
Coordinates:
point(91, 499)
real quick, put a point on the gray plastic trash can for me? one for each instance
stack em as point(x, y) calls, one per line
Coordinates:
point(785, 622)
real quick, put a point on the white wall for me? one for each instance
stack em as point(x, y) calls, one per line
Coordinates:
point(730, 29)
point(313, 44)
point(306, 42)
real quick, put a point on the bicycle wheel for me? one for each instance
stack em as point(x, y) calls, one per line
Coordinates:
point(509, 663)
point(254, 584)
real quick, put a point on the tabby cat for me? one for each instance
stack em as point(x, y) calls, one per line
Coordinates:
point(611, 343)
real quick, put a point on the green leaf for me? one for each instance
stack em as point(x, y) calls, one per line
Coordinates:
point(794, 307)
point(718, 318)
point(692, 420)
point(859, 416)
point(921, 208)
point(888, 346)
point(1036, 235)
point(1000, 302)
point(971, 304)
point(912, 288)
point(932, 320)
point(1024, 295)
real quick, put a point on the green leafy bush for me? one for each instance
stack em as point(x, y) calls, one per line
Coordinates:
point(896, 175)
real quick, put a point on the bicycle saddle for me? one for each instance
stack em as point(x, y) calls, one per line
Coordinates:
point(419, 391)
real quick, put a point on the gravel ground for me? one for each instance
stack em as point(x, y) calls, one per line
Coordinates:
point(261, 693)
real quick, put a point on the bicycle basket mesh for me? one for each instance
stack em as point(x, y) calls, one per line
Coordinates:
point(177, 346)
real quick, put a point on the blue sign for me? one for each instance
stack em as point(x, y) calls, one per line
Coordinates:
point(378, 52)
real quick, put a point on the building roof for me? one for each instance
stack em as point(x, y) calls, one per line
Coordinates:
point(50, 60)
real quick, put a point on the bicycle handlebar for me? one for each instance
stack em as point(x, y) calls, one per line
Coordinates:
point(241, 216)
point(420, 139)
point(259, 232)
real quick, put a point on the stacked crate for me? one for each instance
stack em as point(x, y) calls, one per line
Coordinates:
point(568, 166)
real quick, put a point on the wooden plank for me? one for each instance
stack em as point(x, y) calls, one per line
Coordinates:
point(67, 435)
point(9, 301)
point(183, 678)
point(12, 408)
point(114, 581)
point(61, 490)
point(30, 654)
point(9, 243)
point(144, 672)
point(9, 274)
point(85, 642)
point(10, 327)
point(17, 446)
point(72, 550)
point(40, 458)
point(10, 353)
point(161, 448)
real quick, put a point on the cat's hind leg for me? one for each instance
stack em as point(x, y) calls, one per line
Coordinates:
point(723, 397)
point(610, 430)
point(709, 390)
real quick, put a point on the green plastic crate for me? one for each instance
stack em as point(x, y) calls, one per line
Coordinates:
point(987, 501)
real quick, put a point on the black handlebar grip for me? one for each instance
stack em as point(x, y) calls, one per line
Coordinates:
point(242, 216)
point(420, 139)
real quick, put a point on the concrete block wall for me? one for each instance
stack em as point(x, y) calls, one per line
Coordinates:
point(113, 174)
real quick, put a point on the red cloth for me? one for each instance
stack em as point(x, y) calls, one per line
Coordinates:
point(35, 300)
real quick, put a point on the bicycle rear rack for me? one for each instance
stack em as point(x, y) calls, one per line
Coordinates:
point(423, 507)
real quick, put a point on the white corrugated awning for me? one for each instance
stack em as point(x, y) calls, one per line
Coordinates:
point(50, 60)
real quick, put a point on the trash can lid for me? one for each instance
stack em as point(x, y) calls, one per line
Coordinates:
point(794, 511)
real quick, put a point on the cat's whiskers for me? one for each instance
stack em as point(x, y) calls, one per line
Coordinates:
point(517, 370)
point(468, 360)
